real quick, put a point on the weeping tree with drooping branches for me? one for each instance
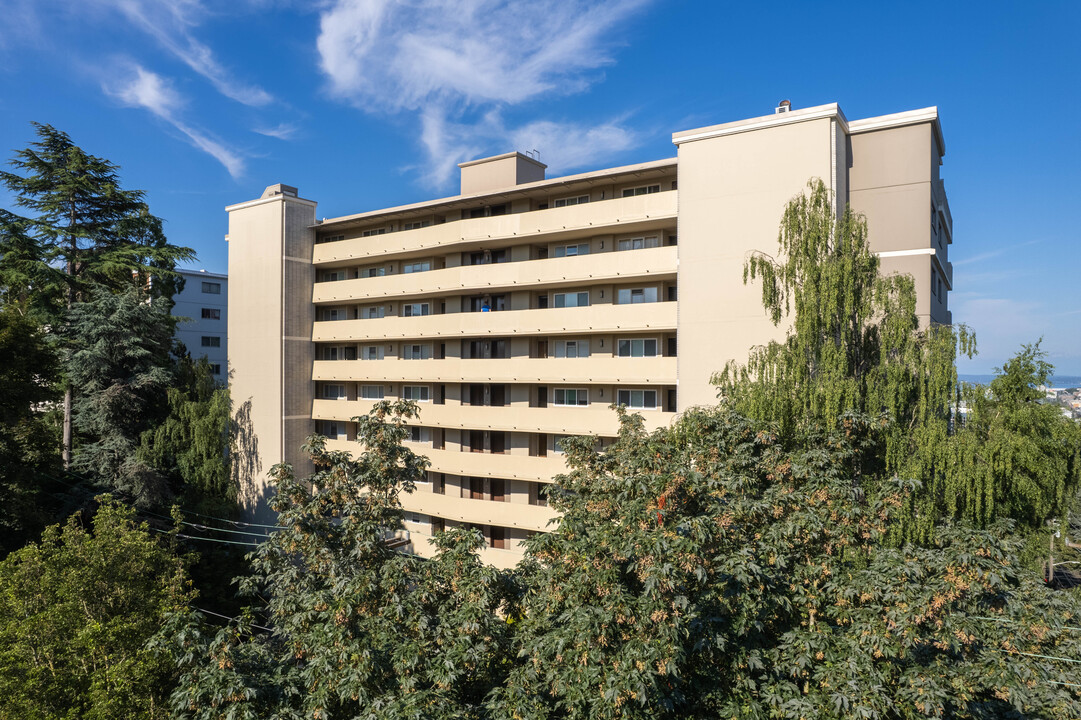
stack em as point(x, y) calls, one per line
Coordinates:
point(855, 344)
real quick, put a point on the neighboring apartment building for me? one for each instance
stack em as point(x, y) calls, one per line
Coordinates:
point(203, 304)
point(518, 311)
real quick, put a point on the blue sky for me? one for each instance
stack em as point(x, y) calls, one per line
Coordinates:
point(369, 103)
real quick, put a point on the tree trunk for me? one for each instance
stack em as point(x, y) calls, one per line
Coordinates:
point(70, 268)
point(67, 428)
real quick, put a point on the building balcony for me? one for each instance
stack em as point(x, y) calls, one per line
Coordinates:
point(480, 512)
point(619, 215)
point(478, 464)
point(594, 419)
point(596, 370)
point(652, 263)
point(605, 318)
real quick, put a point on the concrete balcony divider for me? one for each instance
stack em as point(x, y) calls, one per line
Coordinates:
point(652, 263)
point(550, 321)
point(594, 419)
point(572, 371)
point(603, 217)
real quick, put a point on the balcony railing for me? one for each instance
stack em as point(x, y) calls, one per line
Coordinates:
point(596, 370)
point(603, 267)
point(603, 217)
point(605, 318)
point(593, 419)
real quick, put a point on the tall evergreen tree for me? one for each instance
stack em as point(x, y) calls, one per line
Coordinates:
point(84, 224)
point(119, 347)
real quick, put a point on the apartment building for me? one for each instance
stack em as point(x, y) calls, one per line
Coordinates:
point(202, 307)
point(518, 311)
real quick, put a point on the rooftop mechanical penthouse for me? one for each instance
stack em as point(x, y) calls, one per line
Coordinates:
point(518, 311)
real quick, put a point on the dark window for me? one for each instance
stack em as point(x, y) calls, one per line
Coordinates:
point(498, 537)
point(476, 488)
point(211, 314)
point(212, 288)
point(498, 494)
point(208, 341)
point(499, 442)
point(486, 257)
point(215, 368)
point(476, 441)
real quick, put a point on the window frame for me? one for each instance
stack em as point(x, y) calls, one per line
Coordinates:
point(646, 190)
point(411, 267)
point(648, 241)
point(630, 347)
point(379, 391)
point(426, 309)
point(569, 201)
point(579, 345)
point(581, 397)
point(560, 251)
point(577, 295)
point(379, 352)
point(630, 397)
point(210, 341)
point(423, 351)
point(210, 314)
point(211, 288)
point(632, 290)
point(426, 392)
point(342, 393)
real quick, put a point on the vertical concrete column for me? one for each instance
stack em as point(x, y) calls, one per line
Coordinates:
point(270, 330)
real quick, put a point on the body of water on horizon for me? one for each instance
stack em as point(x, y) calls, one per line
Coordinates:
point(1057, 381)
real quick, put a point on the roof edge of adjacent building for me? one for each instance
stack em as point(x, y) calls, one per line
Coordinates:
point(203, 273)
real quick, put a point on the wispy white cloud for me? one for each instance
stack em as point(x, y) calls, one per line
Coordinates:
point(990, 254)
point(171, 24)
point(456, 63)
point(282, 131)
point(148, 90)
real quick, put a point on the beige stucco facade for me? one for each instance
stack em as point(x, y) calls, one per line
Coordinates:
point(519, 311)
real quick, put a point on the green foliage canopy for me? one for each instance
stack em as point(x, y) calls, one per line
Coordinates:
point(76, 613)
point(191, 446)
point(704, 570)
point(118, 356)
point(356, 629)
point(28, 368)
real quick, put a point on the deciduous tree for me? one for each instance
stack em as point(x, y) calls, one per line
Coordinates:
point(76, 613)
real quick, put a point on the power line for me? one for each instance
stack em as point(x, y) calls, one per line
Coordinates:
point(236, 523)
point(1015, 622)
point(226, 617)
point(196, 537)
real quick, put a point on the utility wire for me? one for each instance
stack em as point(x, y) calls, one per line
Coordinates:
point(236, 523)
point(196, 537)
point(226, 617)
point(1014, 622)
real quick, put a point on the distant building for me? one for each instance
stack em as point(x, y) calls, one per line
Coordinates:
point(518, 311)
point(203, 306)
